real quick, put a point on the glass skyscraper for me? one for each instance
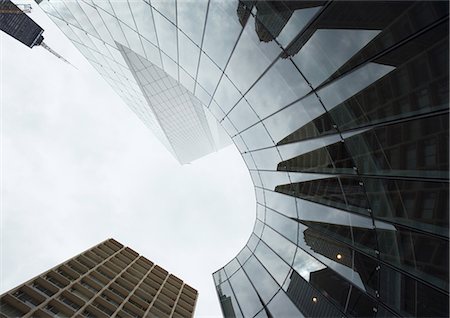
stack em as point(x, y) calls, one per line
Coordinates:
point(340, 111)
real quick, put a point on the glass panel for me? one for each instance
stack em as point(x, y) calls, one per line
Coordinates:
point(265, 96)
point(258, 228)
point(281, 203)
point(81, 17)
point(231, 267)
point(122, 12)
point(272, 262)
point(64, 12)
point(243, 116)
point(226, 94)
point(334, 158)
point(248, 299)
point(143, 16)
point(418, 204)
point(250, 58)
point(208, 74)
point(167, 35)
point(281, 306)
point(409, 297)
point(271, 179)
point(97, 23)
point(344, 193)
point(228, 302)
point(191, 18)
point(279, 244)
point(261, 279)
point(133, 40)
point(243, 255)
point(189, 53)
point(355, 267)
point(308, 299)
point(285, 226)
point(186, 80)
point(420, 255)
point(266, 159)
point(261, 212)
point(325, 52)
point(166, 8)
point(297, 21)
point(412, 89)
point(257, 136)
point(252, 242)
point(398, 21)
point(404, 149)
point(219, 277)
point(152, 53)
point(222, 20)
point(170, 66)
point(113, 26)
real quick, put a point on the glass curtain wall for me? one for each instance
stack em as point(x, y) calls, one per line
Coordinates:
point(340, 112)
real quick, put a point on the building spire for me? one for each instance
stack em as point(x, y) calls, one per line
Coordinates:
point(45, 46)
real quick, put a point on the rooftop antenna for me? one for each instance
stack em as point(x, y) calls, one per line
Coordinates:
point(45, 46)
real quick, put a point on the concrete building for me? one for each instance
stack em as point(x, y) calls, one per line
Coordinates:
point(107, 280)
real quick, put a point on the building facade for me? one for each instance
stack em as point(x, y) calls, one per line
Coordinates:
point(108, 280)
point(340, 112)
point(14, 22)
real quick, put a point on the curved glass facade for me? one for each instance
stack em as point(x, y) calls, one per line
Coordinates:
point(340, 111)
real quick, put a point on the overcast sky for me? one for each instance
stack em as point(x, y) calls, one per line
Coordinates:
point(78, 167)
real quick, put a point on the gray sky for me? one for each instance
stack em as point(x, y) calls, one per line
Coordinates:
point(78, 167)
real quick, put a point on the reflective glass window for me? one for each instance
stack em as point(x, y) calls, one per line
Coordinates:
point(409, 297)
point(231, 267)
point(113, 26)
point(228, 301)
point(418, 204)
point(226, 95)
point(245, 293)
point(420, 255)
point(286, 249)
point(243, 70)
point(166, 8)
point(167, 35)
point(123, 12)
point(243, 116)
point(191, 18)
point(401, 149)
point(257, 136)
point(261, 279)
point(222, 19)
point(142, 14)
point(283, 225)
point(308, 299)
point(282, 306)
point(272, 262)
point(325, 52)
point(281, 203)
point(208, 74)
point(188, 55)
point(243, 255)
point(265, 96)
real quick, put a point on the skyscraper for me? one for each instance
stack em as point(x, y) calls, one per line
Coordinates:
point(340, 112)
point(17, 24)
point(108, 279)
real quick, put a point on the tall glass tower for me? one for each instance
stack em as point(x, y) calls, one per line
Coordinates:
point(340, 111)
